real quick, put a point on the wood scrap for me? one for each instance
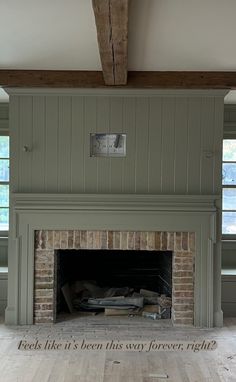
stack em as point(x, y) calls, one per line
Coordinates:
point(119, 303)
point(148, 293)
point(152, 309)
point(122, 312)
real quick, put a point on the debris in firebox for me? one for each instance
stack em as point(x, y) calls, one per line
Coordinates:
point(164, 301)
point(148, 293)
point(152, 309)
point(122, 312)
point(112, 292)
point(88, 296)
point(153, 316)
point(150, 297)
point(117, 302)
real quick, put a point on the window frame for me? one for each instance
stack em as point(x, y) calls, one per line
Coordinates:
point(227, 135)
point(5, 233)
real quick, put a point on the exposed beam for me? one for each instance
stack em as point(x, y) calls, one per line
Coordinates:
point(94, 79)
point(111, 17)
point(51, 78)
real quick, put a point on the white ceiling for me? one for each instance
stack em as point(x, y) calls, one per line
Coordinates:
point(163, 35)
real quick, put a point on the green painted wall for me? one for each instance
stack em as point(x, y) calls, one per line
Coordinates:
point(50, 179)
point(168, 138)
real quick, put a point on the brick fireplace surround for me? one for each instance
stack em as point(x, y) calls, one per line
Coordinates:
point(182, 245)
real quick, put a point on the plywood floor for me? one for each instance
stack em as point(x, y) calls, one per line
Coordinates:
point(116, 366)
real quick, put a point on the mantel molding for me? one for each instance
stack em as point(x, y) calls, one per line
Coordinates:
point(127, 212)
point(127, 202)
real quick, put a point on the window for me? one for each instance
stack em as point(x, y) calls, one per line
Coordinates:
point(4, 183)
point(229, 187)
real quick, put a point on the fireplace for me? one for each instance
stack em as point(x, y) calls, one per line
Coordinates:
point(176, 250)
point(47, 223)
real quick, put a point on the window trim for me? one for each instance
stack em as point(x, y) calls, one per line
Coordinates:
point(5, 234)
point(231, 134)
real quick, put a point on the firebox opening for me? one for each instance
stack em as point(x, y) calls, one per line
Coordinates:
point(111, 281)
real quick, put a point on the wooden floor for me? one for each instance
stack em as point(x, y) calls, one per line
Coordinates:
point(115, 366)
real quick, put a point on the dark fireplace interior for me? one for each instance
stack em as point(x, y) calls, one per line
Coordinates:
point(104, 269)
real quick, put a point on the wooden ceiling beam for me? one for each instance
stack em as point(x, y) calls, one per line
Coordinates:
point(94, 79)
point(111, 17)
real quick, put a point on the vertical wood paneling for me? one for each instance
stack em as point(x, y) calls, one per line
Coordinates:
point(38, 144)
point(181, 146)
point(155, 146)
point(15, 164)
point(129, 120)
point(25, 157)
point(168, 145)
point(207, 143)
point(90, 164)
point(194, 146)
point(77, 145)
point(116, 126)
point(64, 145)
point(142, 131)
point(217, 146)
point(51, 143)
point(103, 164)
point(166, 141)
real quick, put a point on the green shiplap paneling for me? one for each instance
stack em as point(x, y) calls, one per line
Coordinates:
point(155, 145)
point(181, 146)
point(116, 125)
point(194, 145)
point(167, 137)
point(25, 140)
point(141, 143)
point(64, 145)
point(77, 144)
point(38, 144)
point(51, 143)
point(217, 147)
point(102, 178)
point(207, 145)
point(129, 127)
point(168, 145)
point(90, 164)
point(14, 113)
